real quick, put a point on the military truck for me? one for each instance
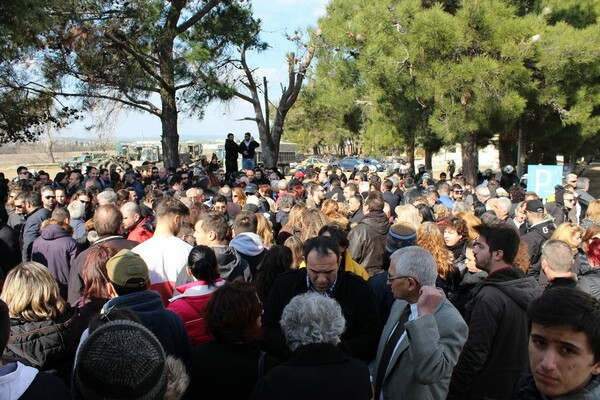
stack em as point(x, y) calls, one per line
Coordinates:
point(287, 155)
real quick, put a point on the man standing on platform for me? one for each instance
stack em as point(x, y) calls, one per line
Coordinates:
point(231, 155)
point(248, 149)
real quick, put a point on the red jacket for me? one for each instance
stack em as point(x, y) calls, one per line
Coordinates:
point(142, 231)
point(191, 304)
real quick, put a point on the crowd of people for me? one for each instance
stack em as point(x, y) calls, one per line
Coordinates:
point(200, 282)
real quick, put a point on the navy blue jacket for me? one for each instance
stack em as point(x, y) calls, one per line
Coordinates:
point(165, 324)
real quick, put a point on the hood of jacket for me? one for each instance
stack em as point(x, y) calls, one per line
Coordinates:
point(54, 231)
point(378, 221)
point(512, 282)
point(144, 303)
point(17, 381)
point(248, 243)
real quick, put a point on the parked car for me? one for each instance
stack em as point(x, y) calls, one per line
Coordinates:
point(348, 164)
point(314, 162)
point(372, 164)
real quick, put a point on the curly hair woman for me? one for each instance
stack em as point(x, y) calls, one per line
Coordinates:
point(430, 237)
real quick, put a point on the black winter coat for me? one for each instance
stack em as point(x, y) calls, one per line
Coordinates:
point(220, 370)
point(355, 296)
point(495, 354)
point(589, 282)
point(47, 345)
point(368, 240)
point(309, 374)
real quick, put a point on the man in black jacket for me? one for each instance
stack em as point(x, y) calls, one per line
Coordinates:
point(368, 238)
point(35, 214)
point(322, 275)
point(231, 155)
point(495, 354)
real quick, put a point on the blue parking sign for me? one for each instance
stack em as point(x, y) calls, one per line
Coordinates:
point(542, 179)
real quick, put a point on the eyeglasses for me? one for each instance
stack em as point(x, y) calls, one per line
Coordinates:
point(49, 197)
point(458, 191)
point(571, 199)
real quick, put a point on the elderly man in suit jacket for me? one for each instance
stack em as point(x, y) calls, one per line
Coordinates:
point(424, 334)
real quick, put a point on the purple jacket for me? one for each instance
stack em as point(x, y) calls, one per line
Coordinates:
point(56, 249)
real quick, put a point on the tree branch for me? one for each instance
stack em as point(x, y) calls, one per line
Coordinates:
point(139, 58)
point(197, 16)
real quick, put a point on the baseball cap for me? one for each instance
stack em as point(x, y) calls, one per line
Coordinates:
point(251, 188)
point(535, 206)
point(127, 269)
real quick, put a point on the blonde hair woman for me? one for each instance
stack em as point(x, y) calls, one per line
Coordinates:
point(572, 234)
point(331, 210)
point(297, 247)
point(264, 229)
point(294, 224)
point(472, 220)
point(34, 305)
point(430, 237)
point(592, 215)
point(312, 222)
point(408, 213)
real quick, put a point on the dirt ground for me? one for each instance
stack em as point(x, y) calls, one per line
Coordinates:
point(34, 161)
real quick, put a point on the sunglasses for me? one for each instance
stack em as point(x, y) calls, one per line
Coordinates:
point(50, 197)
point(458, 191)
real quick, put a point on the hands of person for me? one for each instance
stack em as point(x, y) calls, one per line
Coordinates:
point(429, 299)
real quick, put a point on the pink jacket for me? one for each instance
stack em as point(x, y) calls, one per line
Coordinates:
point(191, 304)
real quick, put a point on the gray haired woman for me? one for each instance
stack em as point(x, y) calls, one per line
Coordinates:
point(312, 325)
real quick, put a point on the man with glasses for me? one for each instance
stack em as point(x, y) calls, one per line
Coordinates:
point(48, 198)
point(495, 354)
point(424, 334)
point(564, 208)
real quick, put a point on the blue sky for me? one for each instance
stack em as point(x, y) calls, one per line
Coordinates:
point(278, 17)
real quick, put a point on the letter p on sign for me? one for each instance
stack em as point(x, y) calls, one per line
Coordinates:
point(542, 179)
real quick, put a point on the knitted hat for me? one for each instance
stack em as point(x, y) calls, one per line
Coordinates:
point(127, 269)
point(121, 360)
point(535, 206)
point(400, 235)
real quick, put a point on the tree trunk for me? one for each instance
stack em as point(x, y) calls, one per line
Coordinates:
point(428, 160)
point(49, 141)
point(170, 137)
point(168, 116)
point(410, 152)
point(470, 159)
point(507, 146)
